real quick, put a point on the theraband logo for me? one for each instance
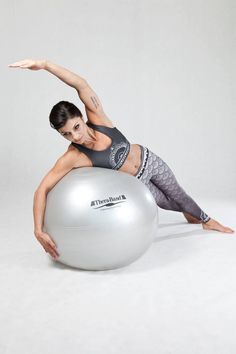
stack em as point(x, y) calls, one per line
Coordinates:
point(107, 203)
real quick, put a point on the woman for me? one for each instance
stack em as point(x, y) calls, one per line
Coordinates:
point(98, 143)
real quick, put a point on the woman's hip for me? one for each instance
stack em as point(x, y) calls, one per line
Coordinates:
point(151, 165)
point(145, 152)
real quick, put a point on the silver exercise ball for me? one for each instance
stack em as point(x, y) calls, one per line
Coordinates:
point(100, 218)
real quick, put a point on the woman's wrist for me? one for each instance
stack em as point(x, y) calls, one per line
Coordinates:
point(38, 232)
point(45, 64)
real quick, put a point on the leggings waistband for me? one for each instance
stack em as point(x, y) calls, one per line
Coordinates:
point(144, 157)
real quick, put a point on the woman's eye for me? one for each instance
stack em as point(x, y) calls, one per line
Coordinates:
point(77, 126)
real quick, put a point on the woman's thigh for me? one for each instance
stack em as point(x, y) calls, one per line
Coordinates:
point(146, 171)
point(153, 169)
point(160, 174)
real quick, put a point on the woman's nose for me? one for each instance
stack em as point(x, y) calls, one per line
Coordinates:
point(76, 137)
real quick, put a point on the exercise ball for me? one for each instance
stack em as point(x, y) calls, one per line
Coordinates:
point(100, 218)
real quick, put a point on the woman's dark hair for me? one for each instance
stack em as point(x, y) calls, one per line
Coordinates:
point(61, 112)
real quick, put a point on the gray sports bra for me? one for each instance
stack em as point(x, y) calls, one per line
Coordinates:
point(115, 155)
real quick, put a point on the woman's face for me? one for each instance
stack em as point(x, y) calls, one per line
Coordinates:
point(75, 130)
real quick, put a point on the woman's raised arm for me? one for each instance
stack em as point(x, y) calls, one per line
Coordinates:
point(63, 74)
point(87, 95)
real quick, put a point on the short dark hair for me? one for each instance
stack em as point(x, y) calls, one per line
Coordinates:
point(61, 112)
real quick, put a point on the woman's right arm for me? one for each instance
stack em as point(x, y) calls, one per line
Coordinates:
point(63, 165)
point(46, 241)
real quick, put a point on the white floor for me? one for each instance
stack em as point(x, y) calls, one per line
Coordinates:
point(179, 297)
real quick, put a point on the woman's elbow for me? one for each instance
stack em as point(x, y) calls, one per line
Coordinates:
point(41, 191)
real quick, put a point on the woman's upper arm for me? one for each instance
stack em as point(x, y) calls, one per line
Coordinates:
point(62, 166)
point(93, 106)
point(90, 99)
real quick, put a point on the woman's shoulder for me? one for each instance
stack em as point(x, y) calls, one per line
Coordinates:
point(98, 118)
point(72, 148)
point(78, 158)
point(72, 152)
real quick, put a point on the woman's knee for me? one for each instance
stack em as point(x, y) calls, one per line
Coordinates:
point(161, 199)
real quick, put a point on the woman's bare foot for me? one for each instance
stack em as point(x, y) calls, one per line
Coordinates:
point(215, 225)
point(210, 225)
point(191, 219)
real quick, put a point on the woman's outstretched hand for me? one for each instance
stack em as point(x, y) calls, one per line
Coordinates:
point(48, 244)
point(29, 64)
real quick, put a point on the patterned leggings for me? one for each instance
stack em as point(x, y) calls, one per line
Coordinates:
point(160, 180)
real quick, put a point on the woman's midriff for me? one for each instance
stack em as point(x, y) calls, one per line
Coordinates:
point(133, 161)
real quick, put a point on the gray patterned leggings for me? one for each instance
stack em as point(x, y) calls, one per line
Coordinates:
point(160, 180)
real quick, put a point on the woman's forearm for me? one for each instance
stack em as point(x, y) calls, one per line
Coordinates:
point(65, 75)
point(38, 210)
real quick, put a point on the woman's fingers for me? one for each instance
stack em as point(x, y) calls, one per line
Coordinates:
point(51, 242)
point(14, 65)
point(27, 63)
point(53, 253)
point(52, 246)
point(17, 63)
point(25, 66)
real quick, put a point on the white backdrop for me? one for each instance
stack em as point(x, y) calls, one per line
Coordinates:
point(164, 71)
